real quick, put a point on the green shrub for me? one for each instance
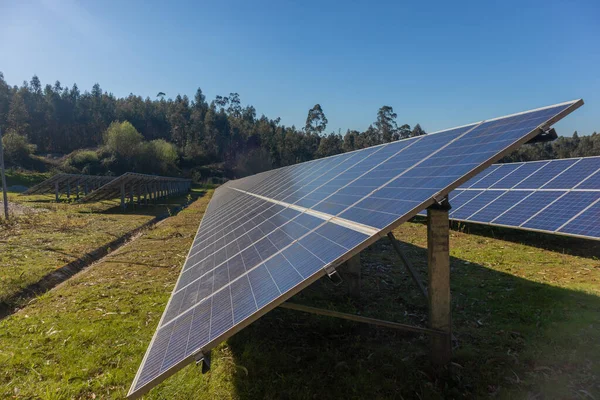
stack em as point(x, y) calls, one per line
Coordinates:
point(86, 161)
point(122, 139)
point(157, 156)
point(17, 149)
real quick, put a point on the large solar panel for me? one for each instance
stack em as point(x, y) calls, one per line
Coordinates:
point(554, 196)
point(268, 236)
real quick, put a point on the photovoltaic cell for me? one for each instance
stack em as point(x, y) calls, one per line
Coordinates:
point(574, 175)
point(545, 174)
point(265, 237)
point(499, 205)
point(525, 209)
point(558, 213)
point(513, 178)
point(586, 224)
point(532, 188)
point(496, 176)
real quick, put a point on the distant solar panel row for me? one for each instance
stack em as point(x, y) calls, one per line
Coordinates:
point(266, 237)
point(556, 196)
point(138, 184)
point(63, 183)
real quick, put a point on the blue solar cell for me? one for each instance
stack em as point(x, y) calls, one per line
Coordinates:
point(457, 200)
point(522, 211)
point(263, 285)
point(305, 262)
point(325, 249)
point(480, 176)
point(593, 181)
point(242, 299)
point(283, 273)
point(475, 204)
point(515, 177)
point(221, 317)
point(562, 210)
point(495, 176)
point(574, 175)
point(544, 174)
point(586, 224)
point(499, 205)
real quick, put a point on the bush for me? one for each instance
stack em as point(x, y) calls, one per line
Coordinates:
point(122, 139)
point(17, 150)
point(86, 161)
point(157, 156)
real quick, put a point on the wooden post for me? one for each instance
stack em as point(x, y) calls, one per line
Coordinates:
point(123, 196)
point(438, 261)
point(3, 179)
point(351, 274)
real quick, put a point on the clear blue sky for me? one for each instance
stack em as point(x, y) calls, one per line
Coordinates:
point(441, 64)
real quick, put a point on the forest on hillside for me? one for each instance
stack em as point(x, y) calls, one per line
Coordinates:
point(99, 133)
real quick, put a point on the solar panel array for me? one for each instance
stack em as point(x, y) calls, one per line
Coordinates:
point(69, 182)
point(555, 196)
point(266, 237)
point(138, 184)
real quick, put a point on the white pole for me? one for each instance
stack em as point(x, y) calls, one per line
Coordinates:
point(5, 195)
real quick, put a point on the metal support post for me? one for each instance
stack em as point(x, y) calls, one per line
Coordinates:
point(438, 261)
point(3, 179)
point(413, 272)
point(352, 275)
point(56, 194)
point(123, 196)
point(68, 190)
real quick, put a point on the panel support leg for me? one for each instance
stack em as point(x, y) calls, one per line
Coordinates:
point(123, 196)
point(56, 191)
point(352, 275)
point(438, 261)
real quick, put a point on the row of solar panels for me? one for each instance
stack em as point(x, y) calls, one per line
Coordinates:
point(67, 183)
point(557, 196)
point(268, 236)
point(97, 188)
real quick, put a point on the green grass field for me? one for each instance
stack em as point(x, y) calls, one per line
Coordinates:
point(49, 235)
point(526, 313)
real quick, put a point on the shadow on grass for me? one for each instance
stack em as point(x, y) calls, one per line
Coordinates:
point(165, 205)
point(516, 338)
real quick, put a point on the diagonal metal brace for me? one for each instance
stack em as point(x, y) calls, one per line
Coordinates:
point(360, 318)
point(413, 272)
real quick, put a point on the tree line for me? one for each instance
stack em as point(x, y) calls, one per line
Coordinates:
point(185, 133)
point(57, 119)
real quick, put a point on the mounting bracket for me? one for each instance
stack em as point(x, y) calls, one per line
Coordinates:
point(203, 359)
point(545, 135)
point(333, 275)
point(441, 203)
